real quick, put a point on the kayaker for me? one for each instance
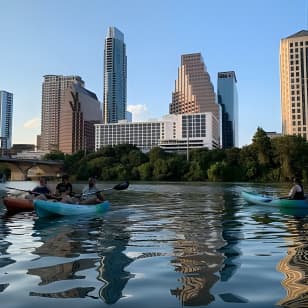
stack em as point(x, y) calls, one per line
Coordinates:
point(64, 190)
point(41, 191)
point(91, 194)
point(297, 190)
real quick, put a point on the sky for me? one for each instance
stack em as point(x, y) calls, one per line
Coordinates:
point(66, 37)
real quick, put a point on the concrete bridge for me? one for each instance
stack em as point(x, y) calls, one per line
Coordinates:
point(22, 169)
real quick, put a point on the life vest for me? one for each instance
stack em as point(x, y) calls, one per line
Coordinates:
point(299, 195)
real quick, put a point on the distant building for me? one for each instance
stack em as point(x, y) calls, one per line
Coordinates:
point(53, 91)
point(30, 155)
point(294, 83)
point(273, 135)
point(115, 77)
point(194, 91)
point(6, 118)
point(38, 142)
point(228, 99)
point(129, 116)
point(18, 148)
point(172, 133)
point(79, 112)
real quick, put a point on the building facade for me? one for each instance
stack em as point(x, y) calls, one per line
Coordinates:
point(194, 91)
point(115, 77)
point(294, 83)
point(6, 118)
point(79, 112)
point(172, 133)
point(53, 91)
point(228, 100)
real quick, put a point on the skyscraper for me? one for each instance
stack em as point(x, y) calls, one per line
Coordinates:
point(115, 77)
point(228, 99)
point(6, 116)
point(80, 111)
point(53, 91)
point(194, 91)
point(294, 83)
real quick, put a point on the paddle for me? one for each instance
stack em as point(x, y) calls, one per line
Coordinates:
point(28, 191)
point(120, 186)
point(35, 193)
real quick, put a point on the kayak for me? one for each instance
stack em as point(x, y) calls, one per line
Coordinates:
point(267, 200)
point(17, 204)
point(49, 208)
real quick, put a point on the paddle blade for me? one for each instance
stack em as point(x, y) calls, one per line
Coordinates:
point(121, 186)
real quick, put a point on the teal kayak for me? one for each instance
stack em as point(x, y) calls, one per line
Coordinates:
point(267, 200)
point(50, 208)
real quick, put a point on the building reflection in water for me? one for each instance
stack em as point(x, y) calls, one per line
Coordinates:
point(295, 265)
point(5, 258)
point(113, 262)
point(207, 252)
point(72, 241)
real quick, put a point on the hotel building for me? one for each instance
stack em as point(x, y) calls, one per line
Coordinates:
point(194, 91)
point(228, 100)
point(115, 77)
point(294, 83)
point(172, 133)
point(79, 112)
point(6, 116)
point(53, 91)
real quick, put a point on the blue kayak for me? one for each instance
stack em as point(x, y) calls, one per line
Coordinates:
point(50, 208)
point(268, 200)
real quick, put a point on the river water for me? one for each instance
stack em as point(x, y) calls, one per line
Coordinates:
point(159, 245)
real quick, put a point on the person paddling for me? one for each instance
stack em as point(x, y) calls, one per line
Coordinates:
point(41, 191)
point(297, 190)
point(91, 194)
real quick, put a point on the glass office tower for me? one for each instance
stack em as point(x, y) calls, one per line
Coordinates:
point(228, 100)
point(6, 116)
point(115, 76)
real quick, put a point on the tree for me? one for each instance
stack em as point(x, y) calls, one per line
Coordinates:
point(290, 154)
point(145, 171)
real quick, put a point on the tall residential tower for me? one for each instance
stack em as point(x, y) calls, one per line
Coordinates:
point(115, 77)
point(294, 83)
point(6, 116)
point(228, 100)
point(53, 91)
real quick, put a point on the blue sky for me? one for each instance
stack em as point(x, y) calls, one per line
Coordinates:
point(66, 37)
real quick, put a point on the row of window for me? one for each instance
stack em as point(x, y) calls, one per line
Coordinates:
point(298, 44)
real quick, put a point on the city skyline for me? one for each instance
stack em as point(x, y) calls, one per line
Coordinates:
point(239, 36)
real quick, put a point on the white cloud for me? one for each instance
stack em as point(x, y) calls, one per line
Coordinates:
point(140, 112)
point(33, 123)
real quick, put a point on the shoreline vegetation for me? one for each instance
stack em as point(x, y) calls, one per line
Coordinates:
point(264, 160)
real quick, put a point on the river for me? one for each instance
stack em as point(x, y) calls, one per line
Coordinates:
point(160, 245)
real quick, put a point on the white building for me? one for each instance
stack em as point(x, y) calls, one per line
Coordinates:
point(175, 132)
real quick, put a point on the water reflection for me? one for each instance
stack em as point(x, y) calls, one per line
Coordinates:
point(295, 265)
point(77, 242)
point(197, 255)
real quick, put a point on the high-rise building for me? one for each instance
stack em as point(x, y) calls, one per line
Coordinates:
point(115, 77)
point(53, 91)
point(194, 91)
point(80, 111)
point(228, 100)
point(6, 116)
point(294, 83)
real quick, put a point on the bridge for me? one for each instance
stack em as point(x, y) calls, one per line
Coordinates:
point(22, 169)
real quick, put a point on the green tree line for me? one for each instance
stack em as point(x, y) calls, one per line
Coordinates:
point(264, 160)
